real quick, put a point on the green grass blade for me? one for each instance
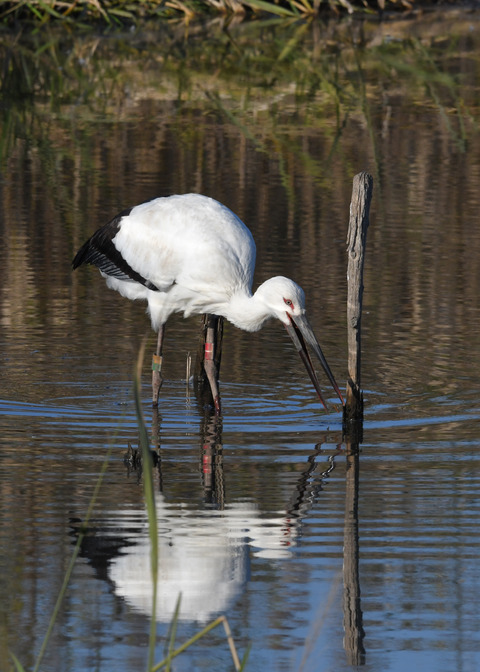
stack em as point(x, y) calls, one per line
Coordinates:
point(221, 619)
point(18, 665)
point(293, 42)
point(269, 7)
point(188, 643)
point(173, 633)
point(149, 501)
point(48, 9)
point(243, 664)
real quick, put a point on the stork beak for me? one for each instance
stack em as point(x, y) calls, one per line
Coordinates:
point(301, 333)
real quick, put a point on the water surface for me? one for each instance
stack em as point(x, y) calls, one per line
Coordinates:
point(255, 513)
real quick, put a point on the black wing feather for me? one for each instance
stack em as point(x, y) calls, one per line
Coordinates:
point(100, 251)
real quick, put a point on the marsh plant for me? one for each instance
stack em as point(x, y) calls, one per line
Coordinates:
point(118, 12)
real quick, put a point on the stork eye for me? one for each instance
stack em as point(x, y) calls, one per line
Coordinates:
point(288, 302)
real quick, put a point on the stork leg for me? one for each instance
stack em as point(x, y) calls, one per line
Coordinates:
point(210, 360)
point(207, 364)
point(209, 355)
point(157, 379)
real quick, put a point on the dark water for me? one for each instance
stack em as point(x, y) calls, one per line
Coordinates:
point(254, 515)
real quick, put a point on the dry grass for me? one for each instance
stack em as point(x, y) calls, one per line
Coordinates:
point(117, 12)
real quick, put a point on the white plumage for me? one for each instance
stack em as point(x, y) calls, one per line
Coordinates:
point(189, 253)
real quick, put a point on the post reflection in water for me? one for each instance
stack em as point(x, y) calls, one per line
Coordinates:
point(352, 612)
point(204, 554)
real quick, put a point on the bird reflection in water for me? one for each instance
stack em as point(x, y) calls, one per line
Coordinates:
point(204, 554)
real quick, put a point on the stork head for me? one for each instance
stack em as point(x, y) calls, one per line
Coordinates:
point(286, 300)
point(284, 297)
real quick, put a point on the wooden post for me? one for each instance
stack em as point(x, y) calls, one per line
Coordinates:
point(353, 418)
point(356, 241)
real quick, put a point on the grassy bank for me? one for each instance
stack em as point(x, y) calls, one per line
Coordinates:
point(118, 12)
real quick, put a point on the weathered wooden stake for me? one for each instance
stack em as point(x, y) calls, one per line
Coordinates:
point(353, 417)
point(356, 241)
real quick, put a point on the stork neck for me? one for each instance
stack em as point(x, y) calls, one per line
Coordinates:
point(247, 311)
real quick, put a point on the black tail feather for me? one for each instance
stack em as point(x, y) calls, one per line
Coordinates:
point(100, 251)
